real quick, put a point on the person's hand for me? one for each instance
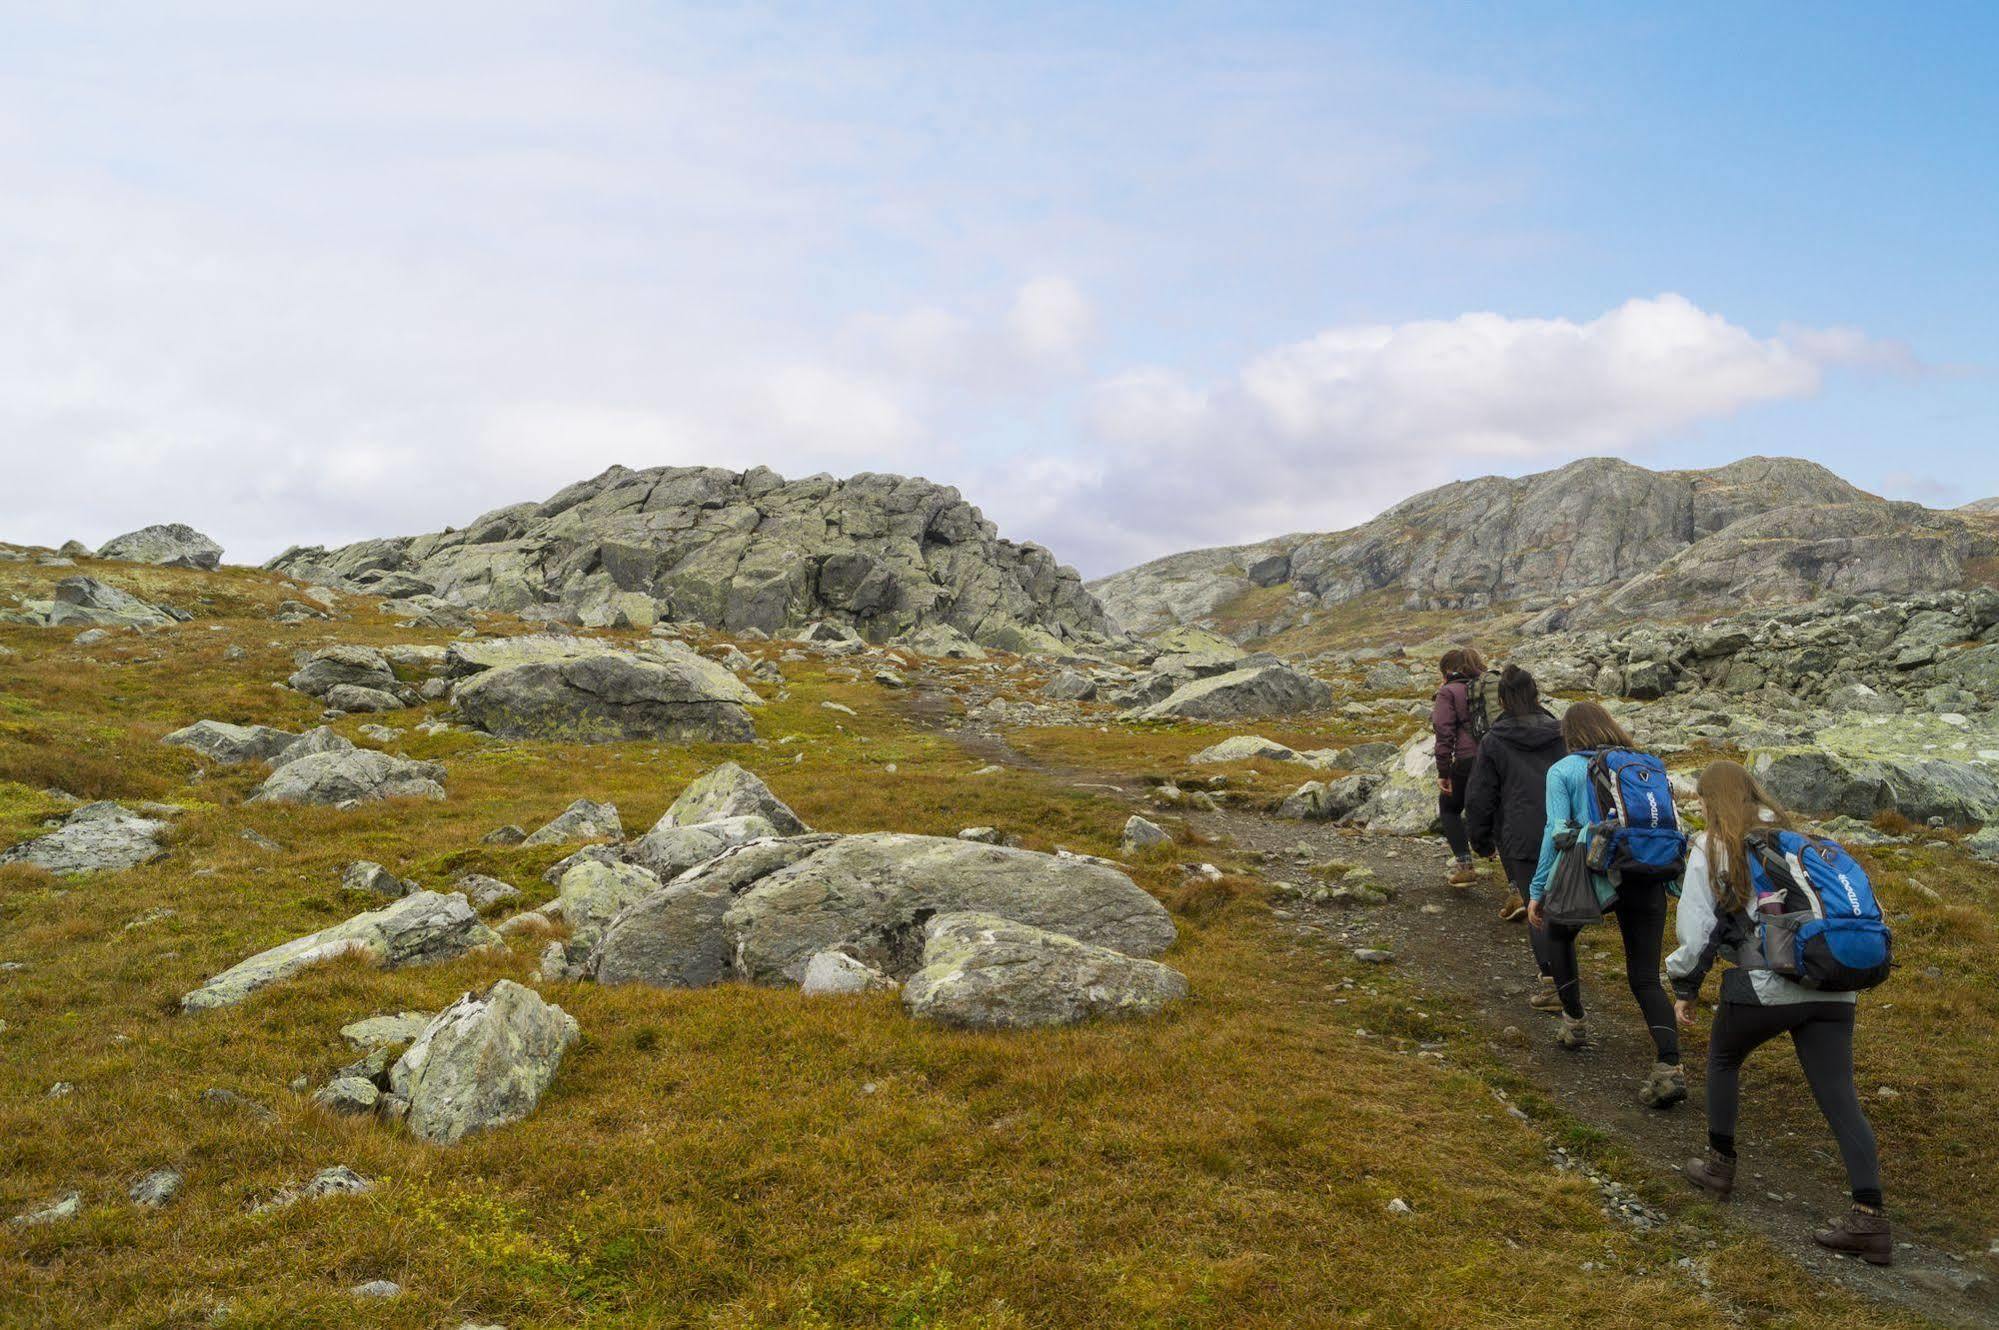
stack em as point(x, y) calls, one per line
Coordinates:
point(1444, 784)
point(1535, 918)
point(1684, 1011)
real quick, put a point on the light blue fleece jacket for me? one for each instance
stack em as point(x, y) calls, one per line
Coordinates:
point(1568, 808)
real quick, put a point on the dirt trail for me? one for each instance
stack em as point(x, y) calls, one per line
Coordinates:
point(1459, 951)
point(1462, 953)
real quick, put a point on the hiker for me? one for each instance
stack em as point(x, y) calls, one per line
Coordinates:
point(1450, 718)
point(1716, 919)
point(1506, 804)
point(1640, 908)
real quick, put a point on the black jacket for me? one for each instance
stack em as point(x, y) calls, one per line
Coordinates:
point(1506, 801)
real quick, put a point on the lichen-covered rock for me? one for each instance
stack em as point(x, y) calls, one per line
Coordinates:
point(881, 554)
point(319, 739)
point(672, 850)
point(85, 601)
point(485, 892)
point(354, 698)
point(354, 666)
point(229, 744)
point(1257, 690)
point(99, 837)
point(835, 973)
point(1142, 834)
point(483, 1062)
point(867, 894)
point(984, 972)
point(170, 545)
point(420, 929)
point(1921, 787)
point(584, 820)
point(1317, 801)
point(592, 893)
point(730, 791)
point(678, 936)
point(1405, 804)
point(609, 696)
point(1245, 748)
point(365, 875)
point(354, 775)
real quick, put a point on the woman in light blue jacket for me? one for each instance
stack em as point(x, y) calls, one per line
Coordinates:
point(1640, 910)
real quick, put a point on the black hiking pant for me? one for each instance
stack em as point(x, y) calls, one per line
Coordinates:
point(1822, 1034)
point(1451, 809)
point(1520, 872)
point(1641, 918)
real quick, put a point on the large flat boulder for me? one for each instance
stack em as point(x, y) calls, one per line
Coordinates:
point(420, 929)
point(1257, 690)
point(670, 850)
point(987, 973)
point(352, 775)
point(220, 741)
point(606, 697)
point(869, 894)
point(168, 544)
point(100, 837)
point(1817, 780)
point(483, 1062)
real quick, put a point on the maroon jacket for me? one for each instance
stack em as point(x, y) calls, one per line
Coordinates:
point(1450, 717)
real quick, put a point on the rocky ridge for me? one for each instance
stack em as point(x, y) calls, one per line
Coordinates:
point(1600, 539)
point(735, 551)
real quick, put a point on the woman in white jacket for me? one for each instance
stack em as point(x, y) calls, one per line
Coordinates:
point(1715, 920)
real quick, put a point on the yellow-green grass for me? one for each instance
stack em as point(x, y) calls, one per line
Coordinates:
point(733, 1157)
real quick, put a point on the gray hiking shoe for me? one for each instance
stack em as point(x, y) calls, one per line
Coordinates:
point(1666, 1086)
point(1574, 1033)
point(1545, 997)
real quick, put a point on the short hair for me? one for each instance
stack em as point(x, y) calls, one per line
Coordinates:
point(1519, 695)
point(1586, 725)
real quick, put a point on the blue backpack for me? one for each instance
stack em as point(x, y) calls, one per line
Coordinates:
point(1634, 832)
point(1816, 917)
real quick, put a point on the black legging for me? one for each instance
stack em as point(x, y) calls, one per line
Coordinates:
point(1641, 918)
point(1520, 872)
point(1451, 808)
point(1822, 1033)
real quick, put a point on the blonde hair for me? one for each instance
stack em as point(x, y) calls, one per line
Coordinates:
point(1734, 804)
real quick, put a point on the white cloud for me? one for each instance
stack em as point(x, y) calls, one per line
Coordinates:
point(1324, 432)
point(827, 412)
point(1050, 320)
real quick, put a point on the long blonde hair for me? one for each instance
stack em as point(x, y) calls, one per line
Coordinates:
point(1735, 804)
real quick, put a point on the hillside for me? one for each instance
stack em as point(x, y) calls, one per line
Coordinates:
point(734, 551)
point(1600, 537)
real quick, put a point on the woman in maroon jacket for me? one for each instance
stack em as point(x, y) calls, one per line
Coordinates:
point(1450, 717)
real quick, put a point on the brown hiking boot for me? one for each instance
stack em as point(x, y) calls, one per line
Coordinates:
point(1462, 875)
point(1666, 1086)
point(1545, 997)
point(1574, 1033)
point(1714, 1175)
point(1860, 1233)
point(1512, 908)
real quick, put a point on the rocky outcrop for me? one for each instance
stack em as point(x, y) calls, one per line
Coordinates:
point(343, 667)
point(610, 695)
point(230, 745)
point(483, 1062)
point(730, 791)
point(1258, 690)
point(1609, 538)
point(870, 893)
point(85, 602)
point(736, 551)
point(419, 929)
point(101, 837)
point(349, 776)
point(170, 545)
point(987, 973)
point(584, 820)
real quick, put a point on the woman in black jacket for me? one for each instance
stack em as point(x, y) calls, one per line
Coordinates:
point(1505, 805)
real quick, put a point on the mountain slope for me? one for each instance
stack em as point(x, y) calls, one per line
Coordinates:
point(1599, 534)
point(734, 550)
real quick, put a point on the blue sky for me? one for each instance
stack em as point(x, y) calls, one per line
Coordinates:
point(1134, 277)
